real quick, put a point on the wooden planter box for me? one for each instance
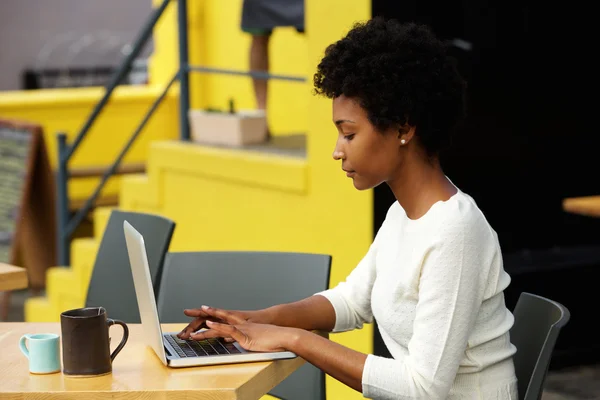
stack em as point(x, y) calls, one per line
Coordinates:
point(229, 129)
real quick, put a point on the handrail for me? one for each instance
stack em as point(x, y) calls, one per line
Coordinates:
point(65, 225)
point(253, 74)
point(78, 218)
point(184, 87)
point(118, 76)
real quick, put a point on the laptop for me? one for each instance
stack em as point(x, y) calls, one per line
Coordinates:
point(172, 351)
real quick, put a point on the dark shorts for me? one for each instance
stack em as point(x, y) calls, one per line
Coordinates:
point(260, 17)
point(265, 32)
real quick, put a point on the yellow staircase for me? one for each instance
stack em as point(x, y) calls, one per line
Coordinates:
point(227, 199)
point(66, 287)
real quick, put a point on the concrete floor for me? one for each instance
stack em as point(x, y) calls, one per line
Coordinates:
point(576, 383)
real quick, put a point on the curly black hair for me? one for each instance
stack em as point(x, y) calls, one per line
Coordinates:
point(400, 74)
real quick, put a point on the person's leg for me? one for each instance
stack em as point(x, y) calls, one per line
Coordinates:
point(259, 61)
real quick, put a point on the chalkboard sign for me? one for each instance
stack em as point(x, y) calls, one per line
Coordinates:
point(15, 151)
point(27, 219)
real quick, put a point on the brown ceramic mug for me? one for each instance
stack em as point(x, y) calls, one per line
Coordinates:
point(85, 341)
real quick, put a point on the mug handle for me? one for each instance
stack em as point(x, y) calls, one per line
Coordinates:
point(110, 322)
point(23, 346)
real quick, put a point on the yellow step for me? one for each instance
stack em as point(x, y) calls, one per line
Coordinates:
point(61, 280)
point(69, 302)
point(39, 309)
point(72, 282)
point(101, 216)
point(137, 194)
point(83, 257)
point(66, 288)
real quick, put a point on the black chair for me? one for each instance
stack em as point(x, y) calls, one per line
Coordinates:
point(538, 322)
point(111, 285)
point(246, 281)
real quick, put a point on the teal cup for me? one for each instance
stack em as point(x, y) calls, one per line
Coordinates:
point(43, 352)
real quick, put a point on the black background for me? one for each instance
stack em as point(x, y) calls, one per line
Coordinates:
point(529, 142)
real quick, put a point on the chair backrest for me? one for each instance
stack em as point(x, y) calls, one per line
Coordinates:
point(111, 284)
point(246, 281)
point(538, 322)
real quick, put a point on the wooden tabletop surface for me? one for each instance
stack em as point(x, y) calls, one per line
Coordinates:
point(588, 205)
point(12, 278)
point(137, 373)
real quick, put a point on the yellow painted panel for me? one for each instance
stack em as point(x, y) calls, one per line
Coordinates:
point(83, 256)
point(350, 227)
point(39, 309)
point(243, 167)
point(68, 302)
point(62, 280)
point(101, 217)
point(217, 215)
point(135, 194)
point(61, 110)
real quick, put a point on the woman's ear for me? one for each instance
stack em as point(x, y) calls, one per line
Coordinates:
point(405, 133)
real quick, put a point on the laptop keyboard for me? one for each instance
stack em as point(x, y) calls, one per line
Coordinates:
point(201, 348)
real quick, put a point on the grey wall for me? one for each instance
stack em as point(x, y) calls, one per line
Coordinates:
point(26, 26)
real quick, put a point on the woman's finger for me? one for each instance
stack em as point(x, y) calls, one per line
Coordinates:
point(195, 312)
point(187, 331)
point(227, 330)
point(207, 334)
point(192, 327)
point(223, 315)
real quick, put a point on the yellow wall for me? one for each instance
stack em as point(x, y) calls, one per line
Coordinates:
point(216, 40)
point(65, 110)
point(234, 200)
point(230, 200)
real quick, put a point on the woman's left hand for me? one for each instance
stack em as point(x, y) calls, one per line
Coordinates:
point(251, 336)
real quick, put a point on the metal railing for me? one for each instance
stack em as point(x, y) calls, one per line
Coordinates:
point(66, 225)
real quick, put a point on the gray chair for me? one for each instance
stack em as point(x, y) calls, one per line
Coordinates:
point(246, 281)
point(538, 322)
point(111, 284)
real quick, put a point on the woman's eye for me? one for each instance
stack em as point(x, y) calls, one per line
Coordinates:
point(349, 136)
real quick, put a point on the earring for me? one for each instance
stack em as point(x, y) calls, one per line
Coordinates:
point(402, 141)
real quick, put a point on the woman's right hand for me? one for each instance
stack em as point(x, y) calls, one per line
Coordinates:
point(200, 318)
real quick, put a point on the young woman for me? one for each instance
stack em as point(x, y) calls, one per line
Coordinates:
point(433, 277)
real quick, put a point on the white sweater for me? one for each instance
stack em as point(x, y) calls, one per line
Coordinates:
point(435, 286)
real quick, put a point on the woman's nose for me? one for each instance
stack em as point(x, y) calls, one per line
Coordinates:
point(338, 155)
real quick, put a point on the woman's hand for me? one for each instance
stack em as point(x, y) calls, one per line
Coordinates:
point(251, 336)
point(201, 317)
point(344, 364)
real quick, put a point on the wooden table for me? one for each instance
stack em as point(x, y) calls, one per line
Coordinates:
point(588, 205)
point(12, 278)
point(137, 373)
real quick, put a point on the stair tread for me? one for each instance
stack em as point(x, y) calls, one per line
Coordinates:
point(40, 309)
